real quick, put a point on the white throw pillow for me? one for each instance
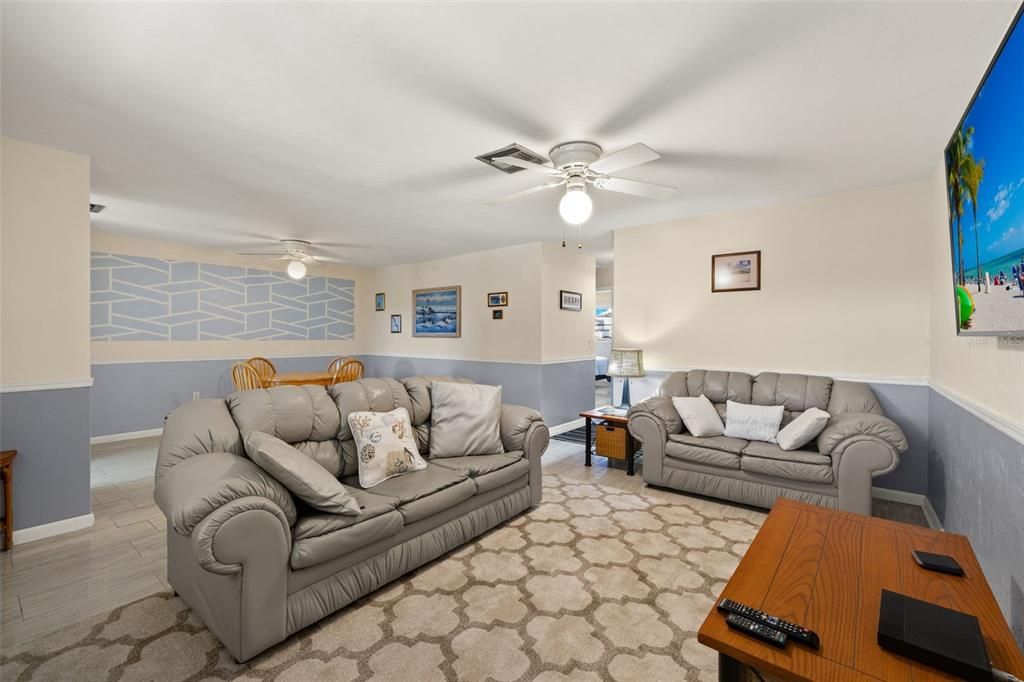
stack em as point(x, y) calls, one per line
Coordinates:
point(465, 419)
point(385, 445)
point(699, 416)
point(753, 422)
point(803, 429)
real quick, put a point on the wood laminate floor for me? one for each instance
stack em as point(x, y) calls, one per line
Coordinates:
point(47, 584)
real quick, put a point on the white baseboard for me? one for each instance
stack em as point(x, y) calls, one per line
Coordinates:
point(567, 426)
point(128, 435)
point(48, 530)
point(916, 499)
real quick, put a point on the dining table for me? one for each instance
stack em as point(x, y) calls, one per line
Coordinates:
point(318, 377)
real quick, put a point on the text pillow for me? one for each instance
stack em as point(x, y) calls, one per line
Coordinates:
point(753, 422)
point(464, 419)
point(699, 416)
point(803, 429)
point(302, 475)
point(384, 445)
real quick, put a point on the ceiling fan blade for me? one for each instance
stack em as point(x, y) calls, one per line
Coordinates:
point(635, 187)
point(528, 165)
point(522, 193)
point(633, 155)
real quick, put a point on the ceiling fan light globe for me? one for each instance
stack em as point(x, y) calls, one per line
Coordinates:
point(296, 269)
point(576, 207)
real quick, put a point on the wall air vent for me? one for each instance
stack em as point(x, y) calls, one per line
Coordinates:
point(516, 150)
point(96, 208)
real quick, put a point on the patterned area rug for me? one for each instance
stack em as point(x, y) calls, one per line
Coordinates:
point(593, 584)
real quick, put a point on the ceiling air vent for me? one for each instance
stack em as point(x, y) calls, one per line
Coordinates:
point(96, 208)
point(516, 150)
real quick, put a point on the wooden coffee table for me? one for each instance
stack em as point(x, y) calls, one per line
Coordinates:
point(615, 443)
point(825, 569)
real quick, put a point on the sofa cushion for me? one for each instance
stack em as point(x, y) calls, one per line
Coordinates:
point(719, 386)
point(686, 452)
point(723, 443)
point(464, 419)
point(488, 471)
point(312, 523)
point(797, 465)
point(426, 492)
point(796, 392)
point(318, 549)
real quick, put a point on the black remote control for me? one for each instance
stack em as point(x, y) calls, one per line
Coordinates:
point(755, 629)
point(793, 631)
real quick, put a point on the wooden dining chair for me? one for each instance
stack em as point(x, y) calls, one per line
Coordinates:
point(350, 370)
point(336, 364)
point(245, 377)
point(265, 368)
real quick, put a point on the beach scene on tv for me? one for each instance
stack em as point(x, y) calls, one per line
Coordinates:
point(985, 183)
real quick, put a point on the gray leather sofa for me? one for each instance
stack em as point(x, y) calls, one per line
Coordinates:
point(257, 565)
point(858, 443)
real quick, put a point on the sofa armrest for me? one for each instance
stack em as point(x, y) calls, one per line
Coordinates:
point(200, 485)
point(523, 428)
point(650, 422)
point(197, 427)
point(851, 427)
point(660, 409)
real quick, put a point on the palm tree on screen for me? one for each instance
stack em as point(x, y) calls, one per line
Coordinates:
point(974, 172)
point(956, 196)
point(965, 176)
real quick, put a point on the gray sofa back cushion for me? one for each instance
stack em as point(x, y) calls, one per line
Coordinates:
point(365, 395)
point(719, 387)
point(795, 392)
point(302, 416)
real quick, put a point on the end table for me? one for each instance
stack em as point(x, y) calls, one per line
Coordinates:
point(7, 525)
point(613, 438)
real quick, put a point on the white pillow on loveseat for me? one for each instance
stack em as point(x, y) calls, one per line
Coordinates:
point(803, 429)
point(753, 422)
point(699, 416)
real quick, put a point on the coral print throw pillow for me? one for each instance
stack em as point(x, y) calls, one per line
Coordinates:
point(385, 445)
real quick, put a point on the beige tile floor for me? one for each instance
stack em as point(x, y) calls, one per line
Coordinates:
point(51, 583)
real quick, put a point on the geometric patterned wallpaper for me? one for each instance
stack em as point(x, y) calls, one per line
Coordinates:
point(151, 299)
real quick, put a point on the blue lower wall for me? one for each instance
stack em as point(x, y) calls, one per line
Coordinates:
point(976, 485)
point(50, 431)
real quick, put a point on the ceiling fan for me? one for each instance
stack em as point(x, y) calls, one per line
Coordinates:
point(578, 164)
point(300, 254)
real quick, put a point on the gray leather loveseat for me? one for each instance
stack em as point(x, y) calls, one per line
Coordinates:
point(835, 470)
point(257, 565)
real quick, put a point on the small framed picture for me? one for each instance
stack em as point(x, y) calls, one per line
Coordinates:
point(739, 271)
point(570, 300)
point(396, 324)
point(497, 314)
point(378, 302)
point(498, 299)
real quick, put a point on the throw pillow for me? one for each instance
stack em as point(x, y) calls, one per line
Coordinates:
point(385, 445)
point(753, 422)
point(803, 429)
point(699, 416)
point(465, 419)
point(302, 475)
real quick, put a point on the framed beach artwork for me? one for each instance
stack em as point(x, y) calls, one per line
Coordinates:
point(396, 324)
point(740, 271)
point(437, 312)
point(570, 300)
point(498, 299)
point(378, 302)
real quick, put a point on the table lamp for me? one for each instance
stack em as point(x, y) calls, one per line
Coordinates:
point(626, 363)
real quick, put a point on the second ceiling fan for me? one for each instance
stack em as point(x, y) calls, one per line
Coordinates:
point(578, 164)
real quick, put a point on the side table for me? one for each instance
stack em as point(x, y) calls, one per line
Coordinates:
point(613, 438)
point(6, 468)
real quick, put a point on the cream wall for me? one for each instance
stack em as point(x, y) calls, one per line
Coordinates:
point(567, 335)
point(45, 266)
point(122, 351)
point(517, 337)
point(984, 370)
point(844, 288)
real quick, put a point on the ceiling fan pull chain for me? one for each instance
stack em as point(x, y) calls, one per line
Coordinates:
point(563, 235)
point(579, 237)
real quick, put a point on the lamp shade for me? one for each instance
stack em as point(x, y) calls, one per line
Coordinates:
point(626, 362)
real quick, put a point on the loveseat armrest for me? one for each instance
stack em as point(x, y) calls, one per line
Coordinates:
point(659, 409)
point(845, 429)
point(523, 428)
point(651, 422)
point(196, 487)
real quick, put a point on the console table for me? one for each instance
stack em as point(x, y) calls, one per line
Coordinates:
point(825, 570)
point(6, 469)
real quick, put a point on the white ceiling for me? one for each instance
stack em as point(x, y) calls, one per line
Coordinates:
point(223, 124)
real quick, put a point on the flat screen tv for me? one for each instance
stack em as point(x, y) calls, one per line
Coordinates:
point(985, 189)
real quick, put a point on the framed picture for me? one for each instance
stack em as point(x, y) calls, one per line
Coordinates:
point(739, 271)
point(378, 302)
point(396, 324)
point(497, 314)
point(498, 299)
point(437, 312)
point(570, 300)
